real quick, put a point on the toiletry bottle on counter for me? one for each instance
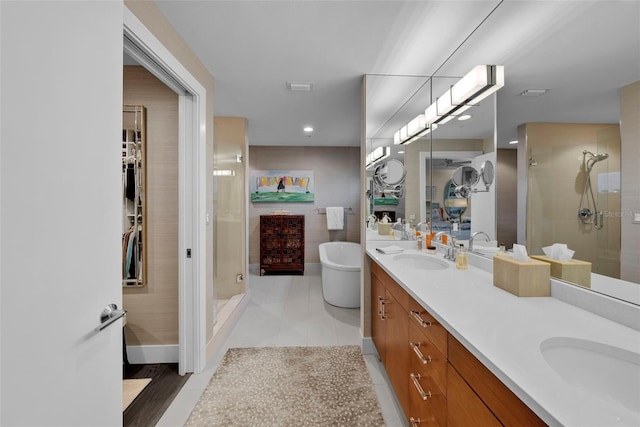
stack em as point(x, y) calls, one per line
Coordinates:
point(462, 259)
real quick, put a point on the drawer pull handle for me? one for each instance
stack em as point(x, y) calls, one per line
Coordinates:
point(381, 312)
point(415, 421)
point(415, 378)
point(420, 320)
point(415, 346)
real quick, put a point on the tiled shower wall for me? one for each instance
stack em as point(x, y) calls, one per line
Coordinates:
point(337, 183)
point(556, 183)
point(630, 203)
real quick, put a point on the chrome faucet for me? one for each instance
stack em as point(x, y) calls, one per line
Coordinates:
point(402, 227)
point(451, 244)
point(473, 236)
point(438, 236)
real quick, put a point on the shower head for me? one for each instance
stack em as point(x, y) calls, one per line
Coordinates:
point(596, 157)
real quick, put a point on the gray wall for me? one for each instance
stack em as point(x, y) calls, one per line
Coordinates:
point(337, 183)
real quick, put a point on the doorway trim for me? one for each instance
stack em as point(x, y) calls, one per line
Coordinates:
point(191, 188)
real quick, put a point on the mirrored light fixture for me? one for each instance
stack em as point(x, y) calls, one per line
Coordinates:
point(376, 155)
point(418, 133)
point(479, 83)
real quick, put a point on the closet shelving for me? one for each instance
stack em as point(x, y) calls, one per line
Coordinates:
point(133, 195)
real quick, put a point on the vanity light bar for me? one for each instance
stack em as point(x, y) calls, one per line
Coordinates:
point(416, 125)
point(415, 129)
point(476, 85)
point(479, 83)
point(378, 154)
point(419, 135)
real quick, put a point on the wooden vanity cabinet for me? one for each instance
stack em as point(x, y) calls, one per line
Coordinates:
point(390, 331)
point(505, 405)
point(437, 381)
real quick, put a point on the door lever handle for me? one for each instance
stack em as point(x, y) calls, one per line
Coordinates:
point(109, 315)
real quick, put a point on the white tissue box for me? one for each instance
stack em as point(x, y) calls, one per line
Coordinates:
point(574, 271)
point(523, 279)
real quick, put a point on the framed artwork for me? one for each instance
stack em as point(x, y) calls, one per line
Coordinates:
point(282, 186)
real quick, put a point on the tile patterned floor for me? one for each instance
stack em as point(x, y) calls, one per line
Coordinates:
point(287, 311)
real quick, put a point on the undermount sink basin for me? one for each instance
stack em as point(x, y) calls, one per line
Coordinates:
point(610, 373)
point(424, 262)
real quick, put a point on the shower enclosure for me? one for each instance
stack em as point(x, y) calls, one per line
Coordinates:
point(574, 191)
point(229, 221)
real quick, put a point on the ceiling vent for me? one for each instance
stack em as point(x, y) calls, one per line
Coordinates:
point(300, 86)
point(534, 92)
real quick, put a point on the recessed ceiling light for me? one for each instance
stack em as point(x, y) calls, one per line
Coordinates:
point(513, 142)
point(534, 92)
point(464, 117)
point(400, 152)
point(308, 129)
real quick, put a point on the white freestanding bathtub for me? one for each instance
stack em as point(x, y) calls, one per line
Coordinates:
point(340, 263)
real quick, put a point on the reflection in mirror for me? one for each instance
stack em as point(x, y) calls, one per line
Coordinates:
point(465, 179)
point(465, 175)
point(389, 174)
point(553, 170)
point(552, 77)
point(385, 97)
point(487, 172)
point(133, 205)
point(428, 199)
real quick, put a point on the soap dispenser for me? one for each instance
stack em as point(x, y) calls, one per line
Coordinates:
point(462, 259)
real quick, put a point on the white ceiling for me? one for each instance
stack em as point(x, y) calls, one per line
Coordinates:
point(583, 51)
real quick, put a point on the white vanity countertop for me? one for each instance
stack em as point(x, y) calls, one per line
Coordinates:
point(505, 331)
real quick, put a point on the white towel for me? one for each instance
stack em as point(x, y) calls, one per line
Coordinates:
point(335, 218)
point(390, 249)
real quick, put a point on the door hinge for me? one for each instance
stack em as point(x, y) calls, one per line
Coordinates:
point(188, 252)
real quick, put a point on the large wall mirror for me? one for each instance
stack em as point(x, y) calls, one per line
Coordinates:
point(431, 160)
point(562, 104)
point(133, 196)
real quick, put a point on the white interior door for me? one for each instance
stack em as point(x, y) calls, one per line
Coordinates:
point(61, 84)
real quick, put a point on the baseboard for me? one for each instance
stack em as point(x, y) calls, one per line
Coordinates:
point(225, 321)
point(308, 266)
point(312, 266)
point(145, 354)
point(368, 347)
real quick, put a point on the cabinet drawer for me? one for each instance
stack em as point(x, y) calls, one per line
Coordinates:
point(426, 359)
point(428, 404)
point(464, 408)
point(431, 329)
point(394, 288)
point(503, 403)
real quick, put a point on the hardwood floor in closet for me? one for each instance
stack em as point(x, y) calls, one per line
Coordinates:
point(154, 400)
